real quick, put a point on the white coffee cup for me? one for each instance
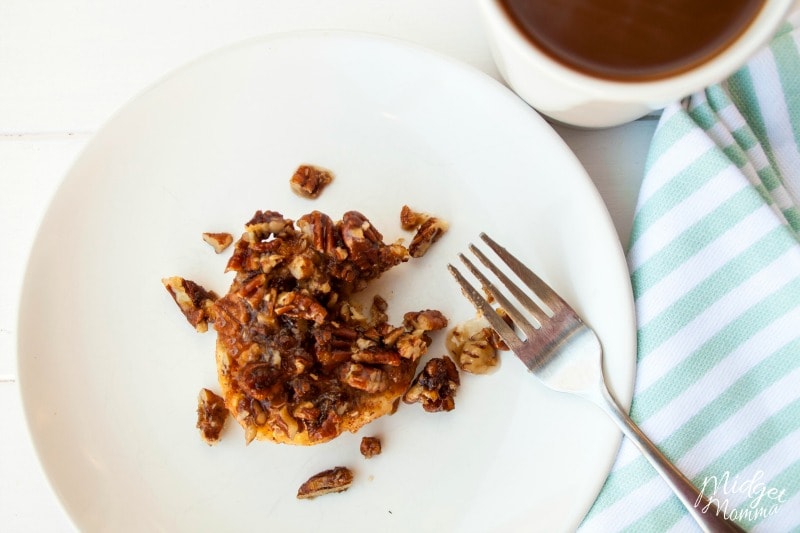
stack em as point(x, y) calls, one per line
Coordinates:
point(576, 98)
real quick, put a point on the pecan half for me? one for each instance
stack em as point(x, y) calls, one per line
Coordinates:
point(336, 479)
point(361, 238)
point(320, 229)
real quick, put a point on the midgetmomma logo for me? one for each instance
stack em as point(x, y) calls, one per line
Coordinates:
point(748, 499)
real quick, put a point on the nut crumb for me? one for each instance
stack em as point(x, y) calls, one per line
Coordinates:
point(370, 447)
point(218, 241)
point(337, 479)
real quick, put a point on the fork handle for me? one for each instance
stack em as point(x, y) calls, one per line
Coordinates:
point(705, 513)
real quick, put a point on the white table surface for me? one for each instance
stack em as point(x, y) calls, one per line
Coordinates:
point(66, 66)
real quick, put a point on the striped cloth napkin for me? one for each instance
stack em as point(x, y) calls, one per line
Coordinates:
point(715, 265)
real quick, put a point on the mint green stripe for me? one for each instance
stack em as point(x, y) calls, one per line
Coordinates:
point(769, 178)
point(684, 438)
point(729, 276)
point(787, 59)
point(717, 98)
point(743, 94)
point(788, 480)
point(686, 182)
point(704, 116)
point(748, 386)
point(668, 133)
point(624, 480)
point(762, 191)
point(784, 28)
point(739, 457)
point(760, 440)
point(693, 367)
point(736, 155)
point(661, 518)
point(744, 137)
point(695, 238)
point(792, 215)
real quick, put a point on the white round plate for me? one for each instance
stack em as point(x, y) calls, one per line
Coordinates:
point(110, 370)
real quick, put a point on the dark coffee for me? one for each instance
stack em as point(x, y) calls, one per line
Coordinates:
point(632, 40)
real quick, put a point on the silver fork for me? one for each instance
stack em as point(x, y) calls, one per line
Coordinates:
point(566, 355)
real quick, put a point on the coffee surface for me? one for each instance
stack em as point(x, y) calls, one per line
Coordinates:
point(633, 40)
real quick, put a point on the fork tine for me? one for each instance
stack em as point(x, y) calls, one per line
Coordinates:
point(516, 316)
point(520, 295)
point(483, 307)
point(550, 298)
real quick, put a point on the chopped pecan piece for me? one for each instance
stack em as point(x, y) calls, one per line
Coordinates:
point(410, 219)
point(428, 233)
point(301, 267)
point(366, 248)
point(390, 334)
point(435, 387)
point(334, 480)
point(211, 416)
point(306, 411)
point(308, 181)
point(263, 381)
point(428, 320)
point(472, 345)
point(377, 313)
point(194, 301)
point(377, 356)
point(411, 346)
point(218, 241)
point(367, 378)
point(300, 305)
point(370, 447)
point(265, 224)
point(284, 422)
